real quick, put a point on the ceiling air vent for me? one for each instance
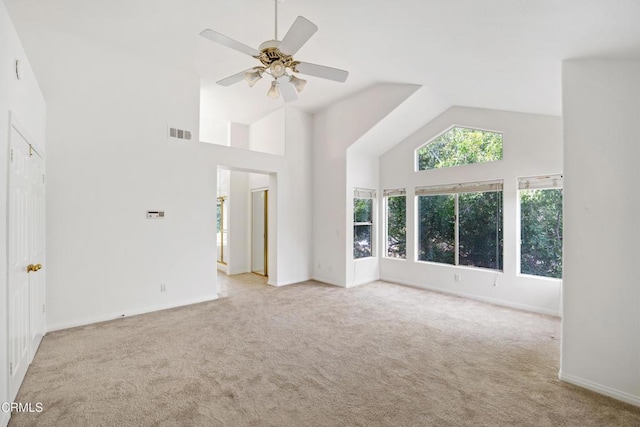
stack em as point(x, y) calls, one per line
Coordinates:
point(179, 133)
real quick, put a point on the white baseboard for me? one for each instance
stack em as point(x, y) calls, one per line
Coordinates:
point(601, 389)
point(290, 282)
point(119, 315)
point(495, 301)
point(328, 281)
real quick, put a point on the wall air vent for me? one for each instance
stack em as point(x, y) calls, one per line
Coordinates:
point(179, 133)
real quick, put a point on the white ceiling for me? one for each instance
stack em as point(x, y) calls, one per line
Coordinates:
point(501, 54)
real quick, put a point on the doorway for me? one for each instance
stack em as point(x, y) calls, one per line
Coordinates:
point(260, 232)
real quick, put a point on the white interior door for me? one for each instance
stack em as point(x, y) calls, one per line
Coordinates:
point(26, 253)
point(18, 310)
point(36, 250)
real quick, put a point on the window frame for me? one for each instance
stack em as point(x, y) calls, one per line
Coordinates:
point(455, 190)
point(364, 194)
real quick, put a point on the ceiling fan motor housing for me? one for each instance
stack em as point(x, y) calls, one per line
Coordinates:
point(270, 56)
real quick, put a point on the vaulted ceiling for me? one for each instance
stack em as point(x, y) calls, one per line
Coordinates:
point(501, 54)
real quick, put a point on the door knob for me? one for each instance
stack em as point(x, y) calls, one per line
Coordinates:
point(33, 267)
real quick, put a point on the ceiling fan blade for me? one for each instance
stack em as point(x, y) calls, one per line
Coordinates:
point(287, 90)
point(322, 71)
point(233, 79)
point(228, 42)
point(301, 31)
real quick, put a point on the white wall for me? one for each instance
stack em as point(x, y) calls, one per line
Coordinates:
point(24, 99)
point(239, 230)
point(294, 201)
point(109, 162)
point(532, 146)
point(362, 172)
point(601, 319)
point(288, 180)
point(238, 135)
point(334, 130)
point(267, 135)
point(258, 181)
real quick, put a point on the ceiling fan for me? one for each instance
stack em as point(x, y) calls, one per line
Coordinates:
point(277, 60)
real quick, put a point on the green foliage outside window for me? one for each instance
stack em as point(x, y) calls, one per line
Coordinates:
point(362, 224)
point(397, 226)
point(541, 228)
point(436, 228)
point(362, 210)
point(460, 146)
point(480, 229)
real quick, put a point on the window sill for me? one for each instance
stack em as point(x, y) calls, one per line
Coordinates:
point(545, 278)
point(463, 267)
point(393, 258)
point(365, 258)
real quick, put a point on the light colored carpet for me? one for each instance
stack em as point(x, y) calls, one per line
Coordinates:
point(313, 355)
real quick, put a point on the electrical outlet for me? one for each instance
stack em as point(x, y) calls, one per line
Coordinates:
point(457, 278)
point(163, 287)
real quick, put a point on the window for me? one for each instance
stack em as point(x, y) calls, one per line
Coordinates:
point(396, 224)
point(363, 223)
point(459, 146)
point(541, 226)
point(461, 224)
point(221, 227)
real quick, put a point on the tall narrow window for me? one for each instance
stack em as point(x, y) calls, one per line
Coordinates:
point(396, 224)
point(541, 226)
point(363, 222)
point(461, 224)
point(459, 146)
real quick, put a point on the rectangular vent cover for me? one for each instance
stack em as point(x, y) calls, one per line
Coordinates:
point(179, 133)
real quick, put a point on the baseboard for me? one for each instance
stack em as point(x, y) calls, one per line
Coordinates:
point(119, 315)
point(328, 281)
point(290, 282)
point(601, 389)
point(495, 301)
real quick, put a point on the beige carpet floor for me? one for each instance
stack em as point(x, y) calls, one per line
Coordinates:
point(313, 355)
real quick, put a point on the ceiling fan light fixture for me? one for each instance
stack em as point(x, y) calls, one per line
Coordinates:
point(252, 77)
point(276, 58)
point(277, 69)
point(297, 83)
point(274, 92)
